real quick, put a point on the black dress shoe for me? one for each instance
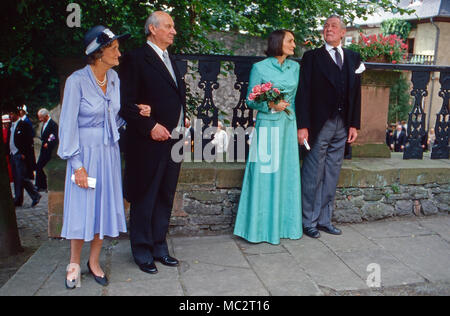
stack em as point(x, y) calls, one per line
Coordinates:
point(148, 267)
point(311, 232)
point(168, 261)
point(100, 280)
point(330, 229)
point(36, 201)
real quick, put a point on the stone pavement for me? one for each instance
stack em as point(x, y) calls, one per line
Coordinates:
point(32, 224)
point(34, 219)
point(412, 254)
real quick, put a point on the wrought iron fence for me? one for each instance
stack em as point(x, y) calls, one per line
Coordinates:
point(209, 68)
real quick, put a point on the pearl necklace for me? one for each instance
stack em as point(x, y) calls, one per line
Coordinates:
point(100, 83)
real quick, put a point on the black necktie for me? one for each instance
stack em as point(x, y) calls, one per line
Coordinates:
point(338, 58)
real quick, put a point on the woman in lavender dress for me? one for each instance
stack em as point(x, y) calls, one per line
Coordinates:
point(89, 137)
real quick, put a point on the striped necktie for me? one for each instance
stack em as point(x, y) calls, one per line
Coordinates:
point(338, 58)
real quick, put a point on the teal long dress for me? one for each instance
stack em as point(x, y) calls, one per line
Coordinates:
point(270, 202)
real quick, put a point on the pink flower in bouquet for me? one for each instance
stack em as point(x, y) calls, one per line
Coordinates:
point(257, 90)
point(266, 87)
point(266, 92)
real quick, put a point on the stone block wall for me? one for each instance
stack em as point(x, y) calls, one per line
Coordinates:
point(207, 196)
point(354, 205)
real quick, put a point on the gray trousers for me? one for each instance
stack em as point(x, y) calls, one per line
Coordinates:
point(320, 173)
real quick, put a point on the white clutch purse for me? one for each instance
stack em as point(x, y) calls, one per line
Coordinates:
point(91, 181)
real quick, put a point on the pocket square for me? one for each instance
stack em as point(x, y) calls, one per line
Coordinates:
point(360, 69)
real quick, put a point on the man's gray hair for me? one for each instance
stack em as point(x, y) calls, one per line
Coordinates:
point(43, 112)
point(152, 19)
point(343, 25)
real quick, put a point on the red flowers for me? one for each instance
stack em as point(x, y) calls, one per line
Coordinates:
point(376, 46)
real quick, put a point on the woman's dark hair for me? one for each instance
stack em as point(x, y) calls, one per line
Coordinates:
point(275, 43)
point(90, 59)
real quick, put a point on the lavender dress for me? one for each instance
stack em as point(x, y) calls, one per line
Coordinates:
point(88, 129)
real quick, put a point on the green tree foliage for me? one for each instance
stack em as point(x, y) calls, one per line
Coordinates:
point(35, 34)
point(399, 100)
point(398, 27)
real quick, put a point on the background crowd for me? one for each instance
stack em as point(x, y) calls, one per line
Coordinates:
point(396, 137)
point(19, 132)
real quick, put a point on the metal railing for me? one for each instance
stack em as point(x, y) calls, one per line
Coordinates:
point(209, 68)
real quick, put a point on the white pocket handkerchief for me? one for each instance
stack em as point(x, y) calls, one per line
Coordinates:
point(361, 69)
point(91, 181)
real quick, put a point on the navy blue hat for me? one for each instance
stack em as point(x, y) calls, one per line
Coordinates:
point(98, 37)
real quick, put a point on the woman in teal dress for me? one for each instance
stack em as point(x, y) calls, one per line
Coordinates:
point(270, 203)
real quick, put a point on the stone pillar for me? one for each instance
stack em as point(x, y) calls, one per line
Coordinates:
point(375, 90)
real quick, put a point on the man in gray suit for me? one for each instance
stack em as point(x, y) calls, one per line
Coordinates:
point(328, 115)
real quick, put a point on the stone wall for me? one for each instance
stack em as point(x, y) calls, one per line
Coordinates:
point(207, 196)
point(354, 205)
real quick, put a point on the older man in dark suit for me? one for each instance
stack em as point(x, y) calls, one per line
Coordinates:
point(23, 163)
point(49, 138)
point(398, 139)
point(328, 115)
point(149, 76)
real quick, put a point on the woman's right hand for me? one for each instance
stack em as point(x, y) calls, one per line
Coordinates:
point(81, 178)
point(280, 106)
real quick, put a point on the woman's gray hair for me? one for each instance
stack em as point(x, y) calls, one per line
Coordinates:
point(151, 20)
point(343, 25)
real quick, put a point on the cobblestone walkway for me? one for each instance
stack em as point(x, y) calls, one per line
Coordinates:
point(34, 219)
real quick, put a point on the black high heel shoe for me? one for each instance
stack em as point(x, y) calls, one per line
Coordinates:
point(103, 281)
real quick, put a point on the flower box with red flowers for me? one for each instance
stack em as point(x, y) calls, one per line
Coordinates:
point(380, 48)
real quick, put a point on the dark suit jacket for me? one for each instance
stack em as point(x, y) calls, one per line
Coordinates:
point(23, 140)
point(317, 93)
point(399, 140)
point(52, 128)
point(144, 79)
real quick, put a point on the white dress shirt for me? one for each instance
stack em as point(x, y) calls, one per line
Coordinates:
point(158, 50)
point(160, 53)
point(332, 52)
point(220, 141)
point(12, 147)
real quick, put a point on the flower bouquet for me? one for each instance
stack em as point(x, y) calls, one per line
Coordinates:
point(266, 92)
